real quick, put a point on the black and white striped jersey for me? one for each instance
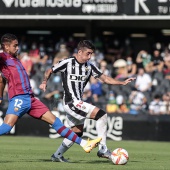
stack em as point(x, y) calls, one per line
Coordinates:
point(75, 77)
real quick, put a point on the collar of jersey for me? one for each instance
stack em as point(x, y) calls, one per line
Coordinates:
point(9, 55)
point(78, 62)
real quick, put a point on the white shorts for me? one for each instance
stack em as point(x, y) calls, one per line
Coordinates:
point(77, 111)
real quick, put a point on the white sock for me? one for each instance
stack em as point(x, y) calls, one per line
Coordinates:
point(66, 144)
point(101, 127)
point(83, 142)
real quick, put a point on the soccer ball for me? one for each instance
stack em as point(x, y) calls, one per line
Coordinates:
point(119, 156)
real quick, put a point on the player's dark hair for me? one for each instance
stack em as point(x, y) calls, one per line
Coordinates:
point(7, 38)
point(85, 44)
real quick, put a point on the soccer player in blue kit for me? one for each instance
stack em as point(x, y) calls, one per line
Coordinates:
point(21, 97)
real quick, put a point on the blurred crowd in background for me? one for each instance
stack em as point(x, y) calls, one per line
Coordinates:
point(148, 94)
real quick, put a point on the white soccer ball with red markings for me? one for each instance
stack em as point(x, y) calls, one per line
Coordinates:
point(119, 156)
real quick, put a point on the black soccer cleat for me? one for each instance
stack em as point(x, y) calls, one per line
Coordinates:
point(106, 154)
point(59, 159)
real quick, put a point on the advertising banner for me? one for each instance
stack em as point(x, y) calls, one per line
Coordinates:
point(85, 9)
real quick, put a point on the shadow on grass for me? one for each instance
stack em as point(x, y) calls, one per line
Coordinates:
point(48, 160)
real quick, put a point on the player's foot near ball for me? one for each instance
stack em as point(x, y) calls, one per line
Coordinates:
point(106, 154)
point(91, 144)
point(59, 159)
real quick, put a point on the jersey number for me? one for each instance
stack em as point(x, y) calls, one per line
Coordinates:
point(18, 103)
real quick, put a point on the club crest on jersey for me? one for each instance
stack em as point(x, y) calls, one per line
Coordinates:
point(87, 69)
point(16, 109)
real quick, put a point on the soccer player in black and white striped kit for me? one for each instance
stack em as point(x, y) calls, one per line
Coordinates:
point(76, 72)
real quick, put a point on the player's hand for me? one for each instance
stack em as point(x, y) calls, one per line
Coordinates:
point(43, 86)
point(129, 80)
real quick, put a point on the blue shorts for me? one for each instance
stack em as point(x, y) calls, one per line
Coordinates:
point(19, 105)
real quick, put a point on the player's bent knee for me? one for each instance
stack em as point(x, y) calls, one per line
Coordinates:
point(5, 128)
point(99, 114)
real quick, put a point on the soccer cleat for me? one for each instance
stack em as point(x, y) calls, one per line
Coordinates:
point(58, 159)
point(91, 144)
point(106, 154)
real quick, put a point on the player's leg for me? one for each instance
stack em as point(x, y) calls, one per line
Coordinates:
point(9, 121)
point(101, 127)
point(17, 107)
point(76, 122)
point(65, 145)
point(100, 116)
point(67, 133)
point(40, 111)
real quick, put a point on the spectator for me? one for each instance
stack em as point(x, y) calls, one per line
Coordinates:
point(34, 86)
point(143, 59)
point(155, 106)
point(111, 106)
point(122, 105)
point(137, 101)
point(96, 89)
point(26, 62)
point(98, 43)
point(99, 56)
point(42, 51)
point(71, 44)
point(121, 69)
point(103, 68)
point(63, 53)
point(57, 46)
point(156, 63)
point(23, 47)
point(34, 53)
point(143, 81)
point(165, 107)
point(166, 68)
point(87, 95)
point(131, 67)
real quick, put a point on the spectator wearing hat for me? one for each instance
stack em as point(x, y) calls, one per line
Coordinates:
point(121, 69)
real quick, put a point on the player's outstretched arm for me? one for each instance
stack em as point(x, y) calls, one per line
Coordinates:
point(110, 80)
point(47, 75)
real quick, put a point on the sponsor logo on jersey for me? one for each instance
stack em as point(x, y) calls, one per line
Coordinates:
point(77, 78)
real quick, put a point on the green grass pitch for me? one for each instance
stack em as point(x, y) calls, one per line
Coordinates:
point(33, 153)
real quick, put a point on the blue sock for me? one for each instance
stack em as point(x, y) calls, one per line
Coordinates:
point(5, 128)
point(65, 132)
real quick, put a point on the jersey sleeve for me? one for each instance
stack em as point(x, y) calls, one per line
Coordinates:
point(96, 73)
point(60, 66)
